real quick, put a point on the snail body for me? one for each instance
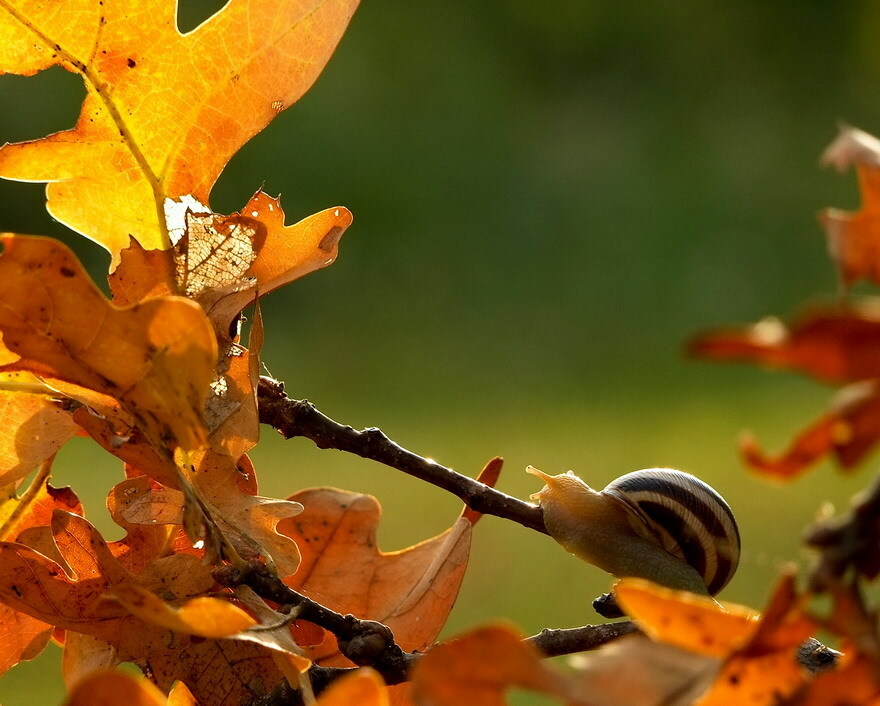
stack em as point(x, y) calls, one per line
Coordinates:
point(657, 523)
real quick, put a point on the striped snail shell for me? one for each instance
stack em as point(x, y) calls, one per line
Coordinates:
point(657, 523)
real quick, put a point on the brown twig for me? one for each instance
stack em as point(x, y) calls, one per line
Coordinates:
point(300, 418)
point(371, 643)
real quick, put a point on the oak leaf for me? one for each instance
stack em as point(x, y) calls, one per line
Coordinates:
point(756, 655)
point(35, 425)
point(164, 111)
point(854, 238)
point(832, 345)
point(225, 262)
point(111, 688)
point(154, 359)
point(364, 687)
point(478, 667)
point(75, 597)
point(411, 590)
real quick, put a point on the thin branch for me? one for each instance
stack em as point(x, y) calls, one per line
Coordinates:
point(555, 642)
point(300, 418)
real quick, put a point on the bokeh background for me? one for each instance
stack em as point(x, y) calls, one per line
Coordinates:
point(547, 203)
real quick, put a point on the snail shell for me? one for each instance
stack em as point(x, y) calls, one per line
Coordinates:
point(689, 518)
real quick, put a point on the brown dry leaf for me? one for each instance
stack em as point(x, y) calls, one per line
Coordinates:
point(23, 637)
point(281, 253)
point(854, 237)
point(759, 665)
point(226, 489)
point(837, 346)
point(155, 358)
point(111, 688)
point(217, 671)
point(164, 111)
point(411, 591)
point(479, 667)
point(34, 426)
point(363, 687)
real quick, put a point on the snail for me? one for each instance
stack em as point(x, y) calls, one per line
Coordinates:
point(658, 523)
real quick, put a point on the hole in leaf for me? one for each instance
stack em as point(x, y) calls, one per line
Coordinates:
point(191, 13)
point(36, 106)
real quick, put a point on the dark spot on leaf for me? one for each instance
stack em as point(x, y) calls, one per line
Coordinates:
point(16, 591)
point(131, 63)
point(733, 679)
point(67, 272)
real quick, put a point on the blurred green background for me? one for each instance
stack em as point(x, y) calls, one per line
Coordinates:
point(547, 204)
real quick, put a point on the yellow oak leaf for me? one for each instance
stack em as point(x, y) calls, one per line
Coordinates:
point(164, 111)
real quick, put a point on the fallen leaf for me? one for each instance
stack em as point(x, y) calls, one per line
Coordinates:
point(164, 111)
point(155, 358)
point(479, 667)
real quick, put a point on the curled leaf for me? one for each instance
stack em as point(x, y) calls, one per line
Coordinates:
point(204, 616)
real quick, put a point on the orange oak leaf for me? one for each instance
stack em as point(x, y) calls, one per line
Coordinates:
point(23, 637)
point(35, 425)
point(203, 615)
point(156, 359)
point(758, 663)
point(35, 506)
point(480, 666)
point(411, 591)
point(111, 688)
point(832, 345)
point(84, 655)
point(854, 238)
point(224, 262)
point(75, 597)
point(364, 686)
point(164, 111)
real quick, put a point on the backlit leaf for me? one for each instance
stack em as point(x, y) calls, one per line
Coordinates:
point(411, 590)
point(479, 667)
point(155, 358)
point(854, 237)
point(164, 111)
